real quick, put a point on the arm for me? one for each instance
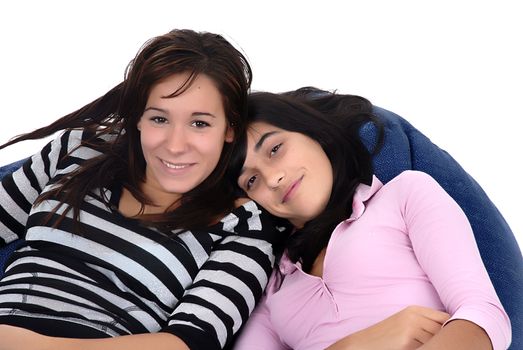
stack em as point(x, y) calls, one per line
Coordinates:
point(258, 333)
point(15, 338)
point(460, 334)
point(445, 247)
point(407, 329)
point(19, 189)
point(214, 307)
point(230, 282)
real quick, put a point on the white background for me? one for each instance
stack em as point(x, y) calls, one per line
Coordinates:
point(454, 69)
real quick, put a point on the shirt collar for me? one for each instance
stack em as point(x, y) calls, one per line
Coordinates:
point(362, 194)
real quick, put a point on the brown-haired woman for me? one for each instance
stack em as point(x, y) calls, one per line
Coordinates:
point(133, 236)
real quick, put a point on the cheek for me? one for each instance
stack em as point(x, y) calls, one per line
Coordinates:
point(266, 201)
point(150, 139)
point(211, 144)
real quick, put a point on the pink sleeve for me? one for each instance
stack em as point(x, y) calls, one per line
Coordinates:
point(258, 333)
point(444, 244)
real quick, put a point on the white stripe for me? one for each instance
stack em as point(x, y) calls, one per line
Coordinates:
point(185, 323)
point(262, 245)
point(140, 315)
point(75, 139)
point(242, 261)
point(10, 206)
point(38, 166)
point(20, 298)
point(205, 315)
point(110, 332)
point(222, 302)
point(230, 222)
point(82, 152)
point(120, 261)
point(228, 280)
point(254, 221)
point(7, 234)
point(195, 248)
point(43, 262)
point(118, 283)
point(96, 202)
point(22, 182)
point(55, 305)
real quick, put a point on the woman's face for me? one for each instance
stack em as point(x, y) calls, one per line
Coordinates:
point(182, 137)
point(286, 172)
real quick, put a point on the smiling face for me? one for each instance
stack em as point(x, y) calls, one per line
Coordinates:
point(181, 137)
point(286, 172)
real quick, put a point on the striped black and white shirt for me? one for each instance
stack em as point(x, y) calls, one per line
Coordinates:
point(119, 277)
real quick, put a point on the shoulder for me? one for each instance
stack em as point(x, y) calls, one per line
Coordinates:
point(417, 189)
point(249, 215)
point(411, 184)
point(251, 220)
point(412, 178)
point(85, 143)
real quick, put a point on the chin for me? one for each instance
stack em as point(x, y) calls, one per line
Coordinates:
point(178, 190)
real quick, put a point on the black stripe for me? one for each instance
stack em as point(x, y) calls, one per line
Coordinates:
point(53, 328)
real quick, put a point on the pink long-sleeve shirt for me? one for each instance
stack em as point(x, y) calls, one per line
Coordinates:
point(406, 243)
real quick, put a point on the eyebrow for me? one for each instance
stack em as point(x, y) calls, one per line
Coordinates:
point(262, 139)
point(167, 112)
point(259, 144)
point(155, 109)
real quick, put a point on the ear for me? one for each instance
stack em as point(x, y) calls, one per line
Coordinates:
point(229, 134)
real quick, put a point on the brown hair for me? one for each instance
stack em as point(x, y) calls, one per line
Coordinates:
point(118, 111)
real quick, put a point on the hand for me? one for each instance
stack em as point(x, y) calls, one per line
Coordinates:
point(406, 330)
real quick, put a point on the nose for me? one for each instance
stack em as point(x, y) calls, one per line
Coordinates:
point(274, 177)
point(177, 140)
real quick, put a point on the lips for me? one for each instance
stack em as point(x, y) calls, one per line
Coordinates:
point(291, 190)
point(176, 167)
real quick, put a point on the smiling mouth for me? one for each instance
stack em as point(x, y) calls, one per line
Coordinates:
point(291, 190)
point(176, 166)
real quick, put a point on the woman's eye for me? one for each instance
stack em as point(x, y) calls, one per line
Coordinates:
point(200, 124)
point(158, 120)
point(250, 182)
point(275, 149)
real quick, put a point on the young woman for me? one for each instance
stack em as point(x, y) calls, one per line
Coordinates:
point(369, 266)
point(133, 237)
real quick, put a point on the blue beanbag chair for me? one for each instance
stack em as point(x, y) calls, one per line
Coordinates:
point(407, 148)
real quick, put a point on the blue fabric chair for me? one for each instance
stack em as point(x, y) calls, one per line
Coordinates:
point(407, 148)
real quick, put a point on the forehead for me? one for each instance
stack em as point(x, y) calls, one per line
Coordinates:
point(257, 130)
point(259, 135)
point(201, 88)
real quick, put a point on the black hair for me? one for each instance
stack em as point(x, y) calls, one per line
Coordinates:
point(334, 121)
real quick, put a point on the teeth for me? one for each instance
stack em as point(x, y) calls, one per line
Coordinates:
point(175, 166)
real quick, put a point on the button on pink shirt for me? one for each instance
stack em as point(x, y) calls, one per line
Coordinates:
point(406, 243)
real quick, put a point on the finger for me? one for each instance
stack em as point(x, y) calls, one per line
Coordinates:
point(432, 314)
point(423, 336)
point(430, 326)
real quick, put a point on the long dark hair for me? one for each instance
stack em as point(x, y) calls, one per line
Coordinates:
point(334, 121)
point(118, 111)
